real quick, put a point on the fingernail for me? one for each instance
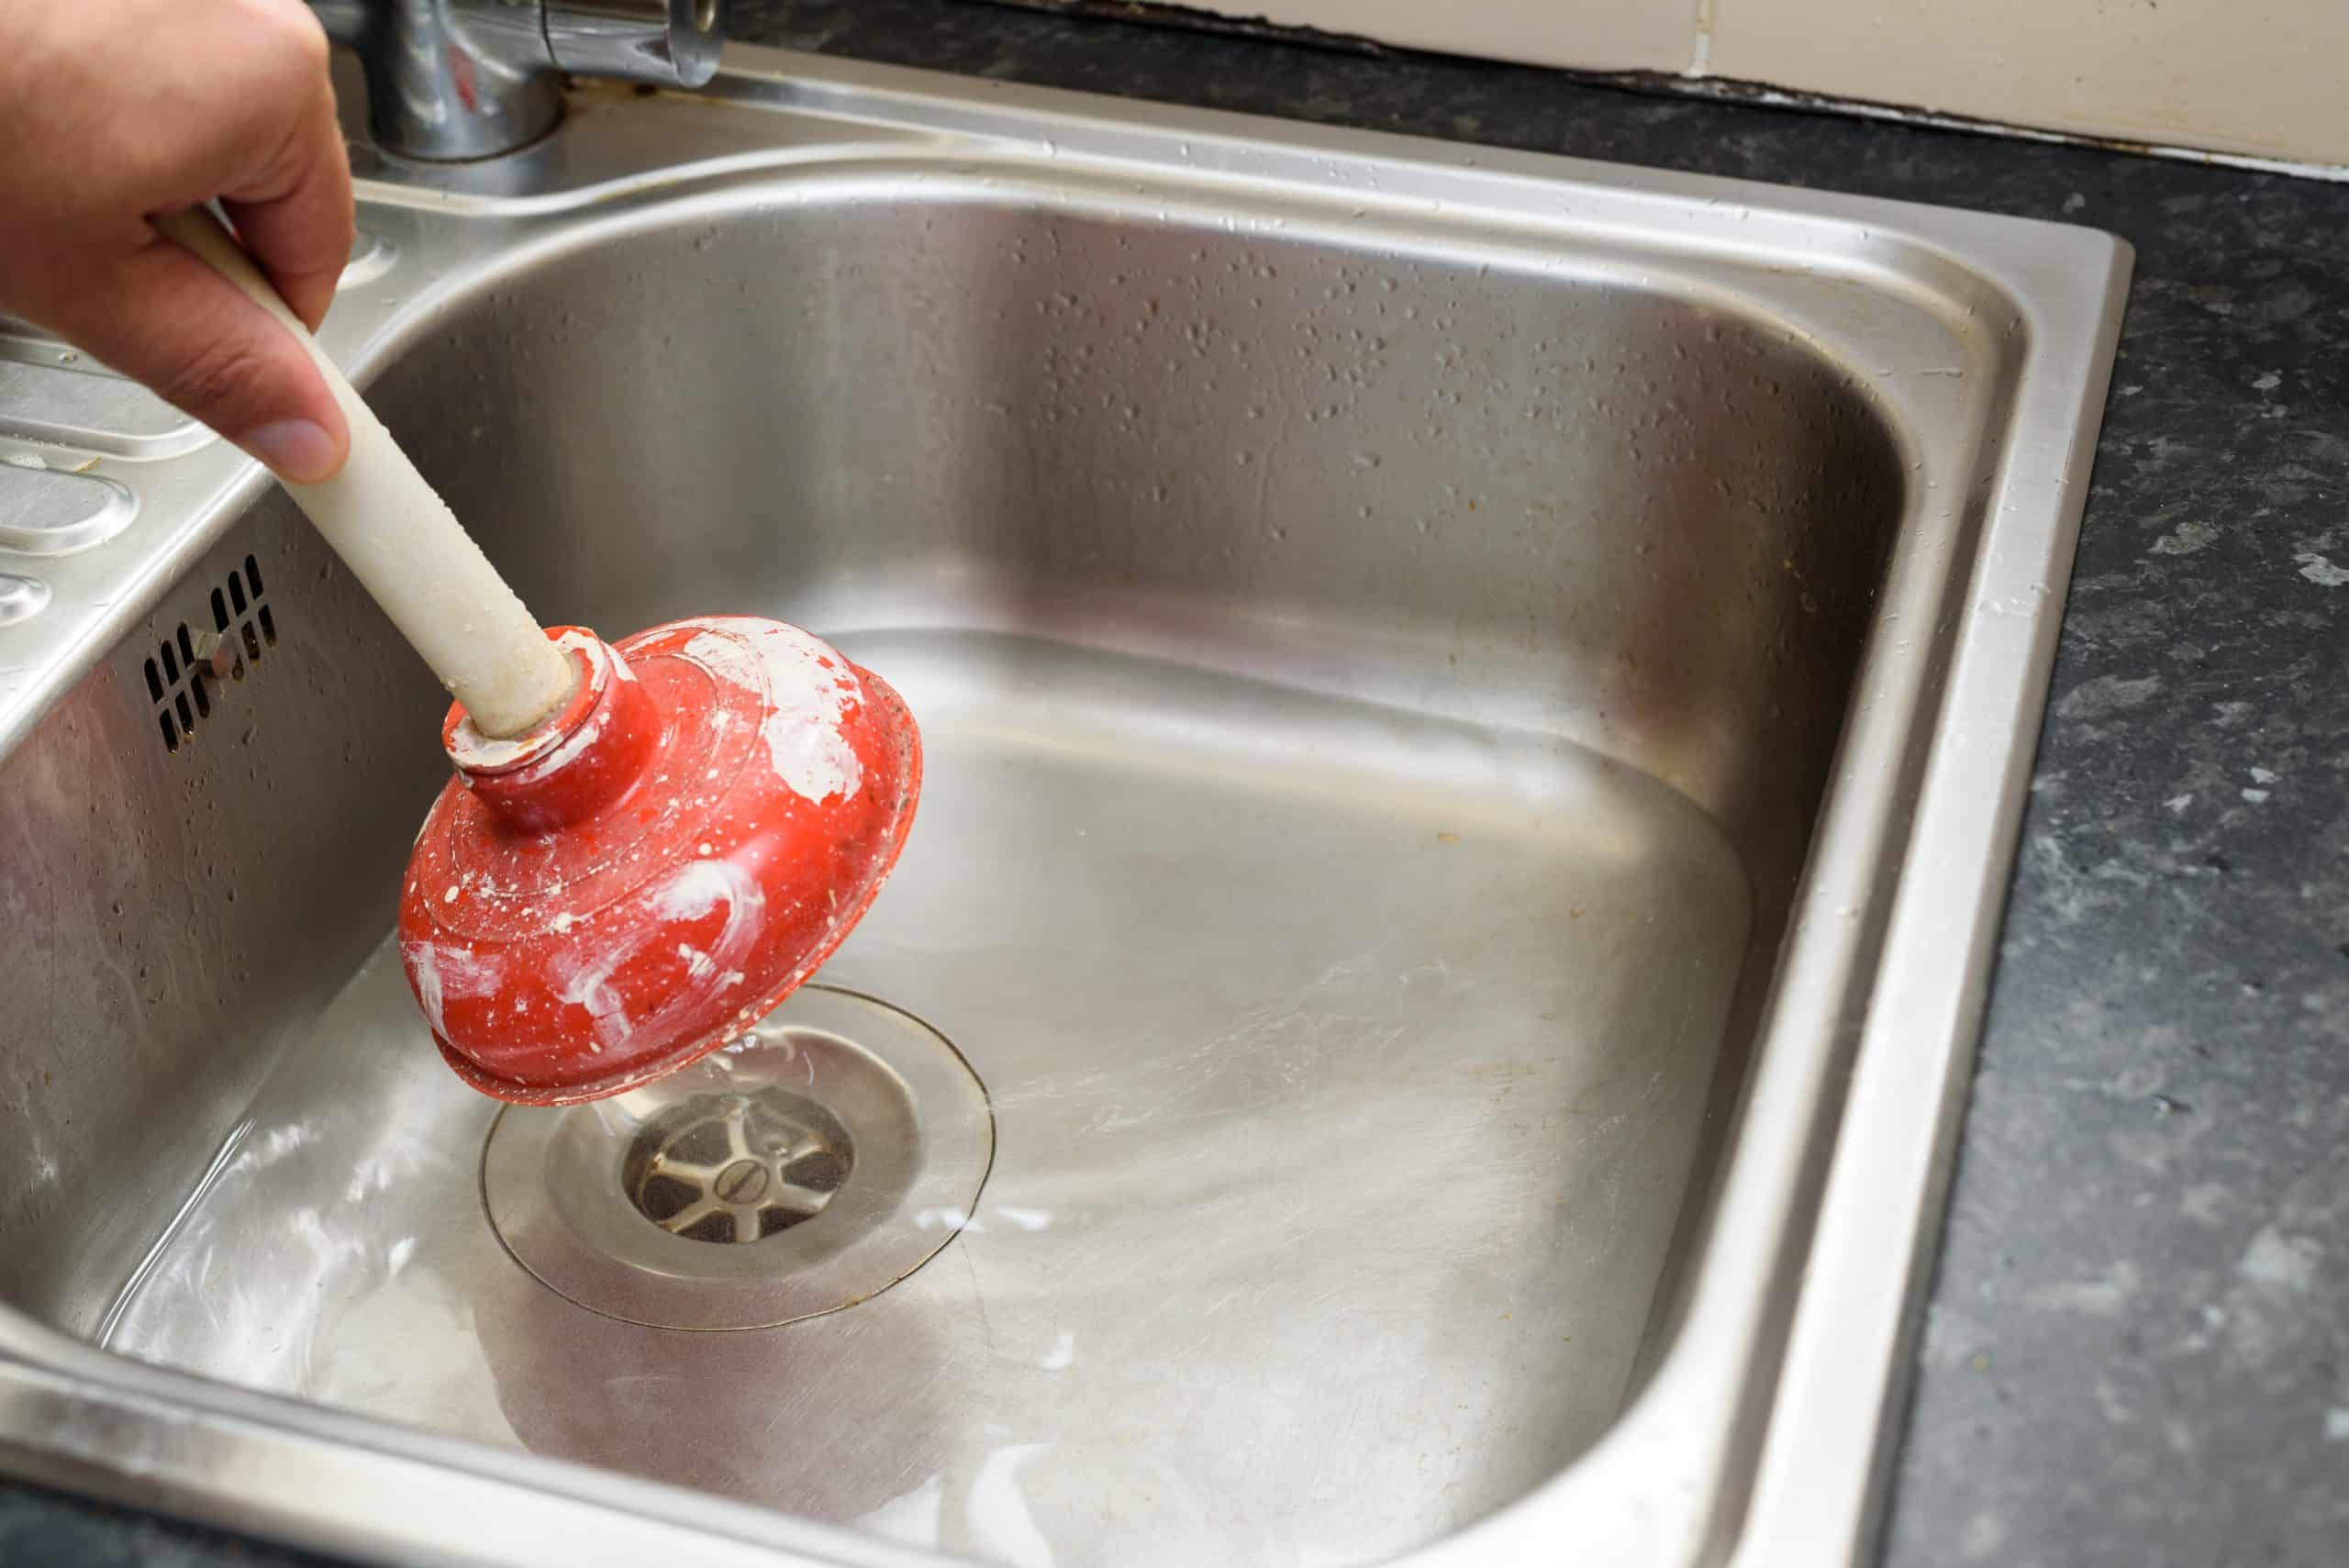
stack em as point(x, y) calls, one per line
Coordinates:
point(295, 450)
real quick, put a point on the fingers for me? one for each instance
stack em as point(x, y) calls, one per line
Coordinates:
point(293, 208)
point(273, 154)
point(230, 99)
point(168, 319)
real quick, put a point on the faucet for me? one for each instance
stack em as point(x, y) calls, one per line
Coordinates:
point(449, 80)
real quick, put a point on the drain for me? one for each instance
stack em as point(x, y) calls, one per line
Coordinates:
point(737, 1167)
point(795, 1173)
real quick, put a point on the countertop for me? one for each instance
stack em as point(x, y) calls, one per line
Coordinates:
point(2137, 1352)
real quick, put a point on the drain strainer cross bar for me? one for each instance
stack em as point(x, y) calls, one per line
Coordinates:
point(737, 1167)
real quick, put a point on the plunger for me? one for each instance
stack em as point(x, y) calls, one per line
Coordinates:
point(648, 844)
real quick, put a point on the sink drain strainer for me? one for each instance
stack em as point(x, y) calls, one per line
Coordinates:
point(737, 1167)
point(815, 1164)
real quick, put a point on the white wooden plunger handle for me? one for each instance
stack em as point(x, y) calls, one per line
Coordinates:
point(401, 542)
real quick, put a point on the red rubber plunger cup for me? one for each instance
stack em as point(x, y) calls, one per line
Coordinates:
point(648, 873)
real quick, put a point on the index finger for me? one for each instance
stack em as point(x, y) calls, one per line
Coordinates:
point(298, 217)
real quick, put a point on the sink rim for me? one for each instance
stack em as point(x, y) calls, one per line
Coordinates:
point(1809, 1429)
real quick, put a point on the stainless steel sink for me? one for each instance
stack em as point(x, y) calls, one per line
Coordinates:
point(1476, 708)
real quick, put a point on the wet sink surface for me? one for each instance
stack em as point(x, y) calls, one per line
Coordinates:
point(1474, 718)
point(1342, 1115)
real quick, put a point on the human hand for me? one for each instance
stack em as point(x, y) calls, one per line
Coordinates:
point(115, 110)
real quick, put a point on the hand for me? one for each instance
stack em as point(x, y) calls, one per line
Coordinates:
point(113, 110)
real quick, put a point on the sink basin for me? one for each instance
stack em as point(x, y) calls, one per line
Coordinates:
point(1476, 708)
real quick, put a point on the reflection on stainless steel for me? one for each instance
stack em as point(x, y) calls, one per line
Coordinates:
point(1476, 706)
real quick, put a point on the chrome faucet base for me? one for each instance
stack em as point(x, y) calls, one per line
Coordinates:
point(450, 81)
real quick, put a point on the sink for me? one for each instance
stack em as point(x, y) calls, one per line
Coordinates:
point(1476, 710)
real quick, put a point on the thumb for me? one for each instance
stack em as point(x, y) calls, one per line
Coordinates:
point(168, 321)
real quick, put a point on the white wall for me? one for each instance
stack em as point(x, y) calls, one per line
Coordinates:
point(2261, 78)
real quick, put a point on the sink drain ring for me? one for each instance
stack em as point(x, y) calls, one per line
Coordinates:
point(833, 1151)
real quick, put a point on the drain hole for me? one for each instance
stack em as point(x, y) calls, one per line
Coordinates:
point(663, 1199)
point(821, 1172)
point(703, 1143)
point(737, 1168)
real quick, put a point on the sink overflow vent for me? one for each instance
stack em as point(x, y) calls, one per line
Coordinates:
point(184, 673)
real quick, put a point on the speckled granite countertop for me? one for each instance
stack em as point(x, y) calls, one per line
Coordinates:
point(2138, 1348)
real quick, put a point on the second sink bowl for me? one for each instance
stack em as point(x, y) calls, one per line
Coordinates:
point(1476, 708)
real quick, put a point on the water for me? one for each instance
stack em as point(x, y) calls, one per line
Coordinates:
point(1345, 1065)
